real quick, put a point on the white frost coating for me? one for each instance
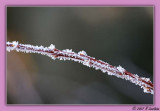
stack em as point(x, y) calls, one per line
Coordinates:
point(82, 53)
point(152, 92)
point(87, 63)
point(67, 50)
point(121, 69)
point(51, 47)
point(145, 90)
point(14, 43)
point(146, 79)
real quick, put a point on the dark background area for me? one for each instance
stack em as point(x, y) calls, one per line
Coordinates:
point(118, 35)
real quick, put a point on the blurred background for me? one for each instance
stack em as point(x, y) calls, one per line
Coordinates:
point(118, 35)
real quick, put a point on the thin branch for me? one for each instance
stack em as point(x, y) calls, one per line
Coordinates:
point(83, 58)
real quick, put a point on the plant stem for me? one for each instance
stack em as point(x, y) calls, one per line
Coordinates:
point(83, 58)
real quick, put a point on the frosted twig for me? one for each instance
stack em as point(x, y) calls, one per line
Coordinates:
point(83, 58)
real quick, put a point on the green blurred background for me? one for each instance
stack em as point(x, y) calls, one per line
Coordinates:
point(118, 35)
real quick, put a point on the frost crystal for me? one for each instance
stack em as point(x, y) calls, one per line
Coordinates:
point(121, 69)
point(51, 47)
point(87, 63)
point(145, 90)
point(67, 50)
point(146, 79)
point(82, 53)
point(152, 92)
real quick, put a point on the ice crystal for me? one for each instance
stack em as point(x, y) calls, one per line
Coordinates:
point(152, 92)
point(67, 50)
point(87, 63)
point(51, 47)
point(146, 79)
point(82, 53)
point(145, 90)
point(121, 69)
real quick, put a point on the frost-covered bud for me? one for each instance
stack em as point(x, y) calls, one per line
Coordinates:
point(13, 47)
